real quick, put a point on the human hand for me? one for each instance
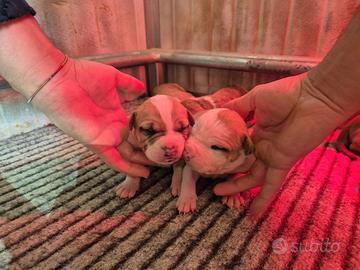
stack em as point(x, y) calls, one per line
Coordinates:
point(292, 118)
point(83, 101)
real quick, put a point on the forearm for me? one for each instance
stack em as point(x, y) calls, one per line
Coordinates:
point(338, 75)
point(27, 56)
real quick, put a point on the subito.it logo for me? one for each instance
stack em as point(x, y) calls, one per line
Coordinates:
point(279, 246)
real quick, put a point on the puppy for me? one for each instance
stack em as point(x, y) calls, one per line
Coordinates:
point(159, 127)
point(348, 142)
point(219, 142)
point(198, 104)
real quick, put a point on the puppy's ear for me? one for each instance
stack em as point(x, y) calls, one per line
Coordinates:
point(191, 119)
point(247, 145)
point(132, 122)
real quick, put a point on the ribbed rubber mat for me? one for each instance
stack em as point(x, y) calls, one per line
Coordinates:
point(59, 210)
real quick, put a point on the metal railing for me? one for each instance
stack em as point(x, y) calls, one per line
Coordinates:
point(221, 60)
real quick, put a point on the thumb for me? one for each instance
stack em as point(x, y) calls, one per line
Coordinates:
point(243, 105)
point(129, 87)
point(112, 157)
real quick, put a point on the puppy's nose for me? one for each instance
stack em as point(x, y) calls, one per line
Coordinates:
point(169, 150)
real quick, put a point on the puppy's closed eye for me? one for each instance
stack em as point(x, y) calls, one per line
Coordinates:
point(148, 131)
point(219, 148)
point(183, 128)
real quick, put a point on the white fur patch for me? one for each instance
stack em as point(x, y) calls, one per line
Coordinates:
point(172, 139)
point(165, 107)
point(210, 121)
point(210, 130)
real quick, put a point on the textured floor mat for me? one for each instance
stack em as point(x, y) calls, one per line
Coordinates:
point(58, 210)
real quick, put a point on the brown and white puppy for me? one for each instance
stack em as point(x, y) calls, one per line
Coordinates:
point(219, 144)
point(159, 127)
point(349, 139)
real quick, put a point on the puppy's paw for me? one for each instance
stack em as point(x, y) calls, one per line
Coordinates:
point(175, 189)
point(186, 204)
point(234, 201)
point(127, 189)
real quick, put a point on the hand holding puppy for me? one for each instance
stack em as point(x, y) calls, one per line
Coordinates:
point(83, 101)
point(292, 118)
point(82, 98)
point(295, 114)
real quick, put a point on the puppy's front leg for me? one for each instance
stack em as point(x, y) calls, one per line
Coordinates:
point(128, 188)
point(177, 177)
point(187, 198)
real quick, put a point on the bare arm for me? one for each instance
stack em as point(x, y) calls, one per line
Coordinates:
point(82, 99)
point(27, 56)
point(310, 105)
point(338, 75)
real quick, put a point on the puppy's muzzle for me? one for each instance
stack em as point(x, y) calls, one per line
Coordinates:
point(169, 152)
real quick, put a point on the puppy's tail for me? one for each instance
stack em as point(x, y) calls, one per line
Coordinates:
point(173, 90)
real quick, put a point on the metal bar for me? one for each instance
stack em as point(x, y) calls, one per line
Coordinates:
point(149, 70)
point(160, 73)
point(127, 59)
point(165, 70)
point(152, 74)
point(221, 60)
point(251, 63)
